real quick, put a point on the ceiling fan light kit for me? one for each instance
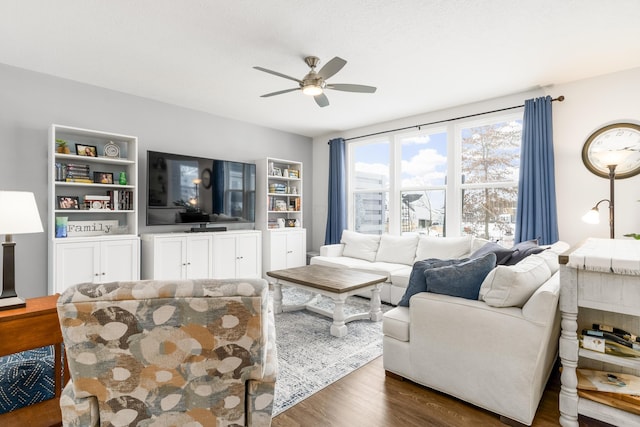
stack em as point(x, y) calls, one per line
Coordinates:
point(314, 83)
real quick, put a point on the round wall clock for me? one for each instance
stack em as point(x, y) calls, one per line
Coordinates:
point(206, 178)
point(111, 149)
point(617, 144)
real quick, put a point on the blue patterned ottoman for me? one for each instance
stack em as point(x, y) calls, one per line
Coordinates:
point(26, 378)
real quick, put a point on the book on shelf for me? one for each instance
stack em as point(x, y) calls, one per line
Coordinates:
point(82, 180)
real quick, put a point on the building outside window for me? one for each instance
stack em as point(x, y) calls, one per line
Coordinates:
point(401, 183)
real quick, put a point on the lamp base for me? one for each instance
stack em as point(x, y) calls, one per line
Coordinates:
point(12, 302)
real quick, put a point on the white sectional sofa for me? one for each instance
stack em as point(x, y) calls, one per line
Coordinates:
point(392, 256)
point(496, 352)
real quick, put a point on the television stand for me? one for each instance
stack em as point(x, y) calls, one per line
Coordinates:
point(204, 229)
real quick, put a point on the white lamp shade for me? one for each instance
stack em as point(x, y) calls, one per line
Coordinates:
point(591, 217)
point(612, 157)
point(19, 213)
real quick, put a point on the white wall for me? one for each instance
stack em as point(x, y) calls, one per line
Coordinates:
point(31, 102)
point(589, 104)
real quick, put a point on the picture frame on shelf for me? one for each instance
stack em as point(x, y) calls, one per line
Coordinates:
point(276, 171)
point(68, 202)
point(103, 177)
point(86, 150)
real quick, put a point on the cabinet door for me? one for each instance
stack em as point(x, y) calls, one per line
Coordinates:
point(170, 258)
point(77, 262)
point(119, 260)
point(277, 250)
point(296, 249)
point(224, 257)
point(248, 256)
point(199, 257)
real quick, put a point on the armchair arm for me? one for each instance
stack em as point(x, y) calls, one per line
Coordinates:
point(78, 411)
point(332, 250)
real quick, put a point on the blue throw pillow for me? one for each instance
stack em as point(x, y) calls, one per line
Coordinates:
point(461, 280)
point(502, 254)
point(416, 279)
point(523, 250)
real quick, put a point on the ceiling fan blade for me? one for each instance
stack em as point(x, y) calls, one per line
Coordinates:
point(321, 100)
point(275, 73)
point(331, 67)
point(352, 88)
point(280, 92)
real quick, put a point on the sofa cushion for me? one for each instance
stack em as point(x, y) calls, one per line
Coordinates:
point(339, 261)
point(460, 280)
point(522, 250)
point(381, 268)
point(358, 245)
point(443, 247)
point(417, 282)
point(513, 285)
point(502, 254)
point(397, 249)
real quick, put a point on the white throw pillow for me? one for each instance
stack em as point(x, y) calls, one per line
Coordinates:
point(361, 246)
point(513, 285)
point(397, 249)
point(443, 247)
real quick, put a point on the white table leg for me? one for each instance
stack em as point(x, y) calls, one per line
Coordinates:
point(375, 313)
point(277, 297)
point(338, 328)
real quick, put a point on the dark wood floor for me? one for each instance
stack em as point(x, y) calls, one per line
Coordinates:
point(367, 397)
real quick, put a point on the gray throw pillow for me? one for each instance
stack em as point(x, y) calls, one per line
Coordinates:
point(461, 280)
point(502, 254)
point(416, 279)
point(522, 250)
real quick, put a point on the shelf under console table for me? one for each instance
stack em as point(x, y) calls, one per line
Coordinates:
point(600, 283)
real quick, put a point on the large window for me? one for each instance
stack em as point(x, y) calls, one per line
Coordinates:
point(461, 178)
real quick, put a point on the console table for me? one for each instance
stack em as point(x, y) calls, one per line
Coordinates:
point(34, 326)
point(599, 283)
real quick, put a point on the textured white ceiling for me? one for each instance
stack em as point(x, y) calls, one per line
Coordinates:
point(422, 55)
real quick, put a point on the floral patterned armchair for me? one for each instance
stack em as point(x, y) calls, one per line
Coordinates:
point(167, 353)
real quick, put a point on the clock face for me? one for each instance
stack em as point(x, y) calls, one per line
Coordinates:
point(206, 178)
point(617, 144)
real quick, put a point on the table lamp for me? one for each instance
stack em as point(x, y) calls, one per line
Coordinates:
point(18, 215)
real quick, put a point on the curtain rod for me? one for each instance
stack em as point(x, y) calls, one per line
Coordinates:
point(560, 98)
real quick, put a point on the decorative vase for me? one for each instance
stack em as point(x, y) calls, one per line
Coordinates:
point(123, 178)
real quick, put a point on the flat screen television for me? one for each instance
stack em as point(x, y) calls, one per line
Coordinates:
point(192, 190)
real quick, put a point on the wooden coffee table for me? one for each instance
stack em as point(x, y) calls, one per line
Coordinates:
point(335, 283)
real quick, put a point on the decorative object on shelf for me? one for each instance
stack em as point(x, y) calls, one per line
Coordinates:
point(92, 228)
point(103, 177)
point(280, 222)
point(294, 173)
point(111, 149)
point(291, 222)
point(68, 202)
point(61, 226)
point(122, 179)
point(275, 171)
point(92, 202)
point(616, 144)
point(206, 178)
point(62, 146)
point(86, 150)
point(18, 215)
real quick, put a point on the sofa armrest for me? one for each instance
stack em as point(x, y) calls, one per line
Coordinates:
point(544, 301)
point(78, 411)
point(332, 250)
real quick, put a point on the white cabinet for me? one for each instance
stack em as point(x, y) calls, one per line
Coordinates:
point(284, 248)
point(222, 255)
point(177, 256)
point(237, 255)
point(588, 297)
point(279, 213)
point(92, 192)
point(95, 261)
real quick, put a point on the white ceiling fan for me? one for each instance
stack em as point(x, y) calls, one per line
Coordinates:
point(314, 83)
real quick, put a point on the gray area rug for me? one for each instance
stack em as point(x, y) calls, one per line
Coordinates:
point(309, 357)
